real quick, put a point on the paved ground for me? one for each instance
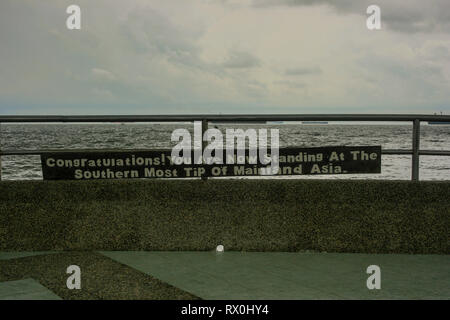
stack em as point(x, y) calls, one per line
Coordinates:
point(231, 275)
point(26, 289)
point(23, 254)
point(256, 275)
point(101, 277)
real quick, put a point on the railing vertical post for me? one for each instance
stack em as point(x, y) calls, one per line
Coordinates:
point(0, 151)
point(204, 128)
point(415, 150)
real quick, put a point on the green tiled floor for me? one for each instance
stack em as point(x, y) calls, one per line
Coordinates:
point(26, 289)
point(242, 275)
point(276, 275)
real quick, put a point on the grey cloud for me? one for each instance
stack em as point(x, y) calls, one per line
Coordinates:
point(410, 16)
point(103, 75)
point(303, 71)
point(291, 84)
point(439, 53)
point(153, 35)
point(241, 60)
point(414, 78)
point(148, 32)
point(147, 59)
point(401, 68)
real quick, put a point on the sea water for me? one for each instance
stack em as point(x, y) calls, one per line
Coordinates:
point(157, 136)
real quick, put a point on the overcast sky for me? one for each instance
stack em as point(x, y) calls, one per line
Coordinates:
point(224, 56)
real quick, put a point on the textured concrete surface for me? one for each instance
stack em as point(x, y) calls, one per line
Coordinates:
point(22, 254)
point(285, 215)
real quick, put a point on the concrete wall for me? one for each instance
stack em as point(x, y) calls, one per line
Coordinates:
point(253, 215)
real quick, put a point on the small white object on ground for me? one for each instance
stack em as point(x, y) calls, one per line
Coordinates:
point(219, 248)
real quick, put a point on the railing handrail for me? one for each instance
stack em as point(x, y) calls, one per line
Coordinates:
point(223, 117)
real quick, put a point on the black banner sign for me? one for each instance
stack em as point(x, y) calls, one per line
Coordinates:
point(159, 164)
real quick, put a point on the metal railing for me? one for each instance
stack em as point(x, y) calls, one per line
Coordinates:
point(416, 120)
